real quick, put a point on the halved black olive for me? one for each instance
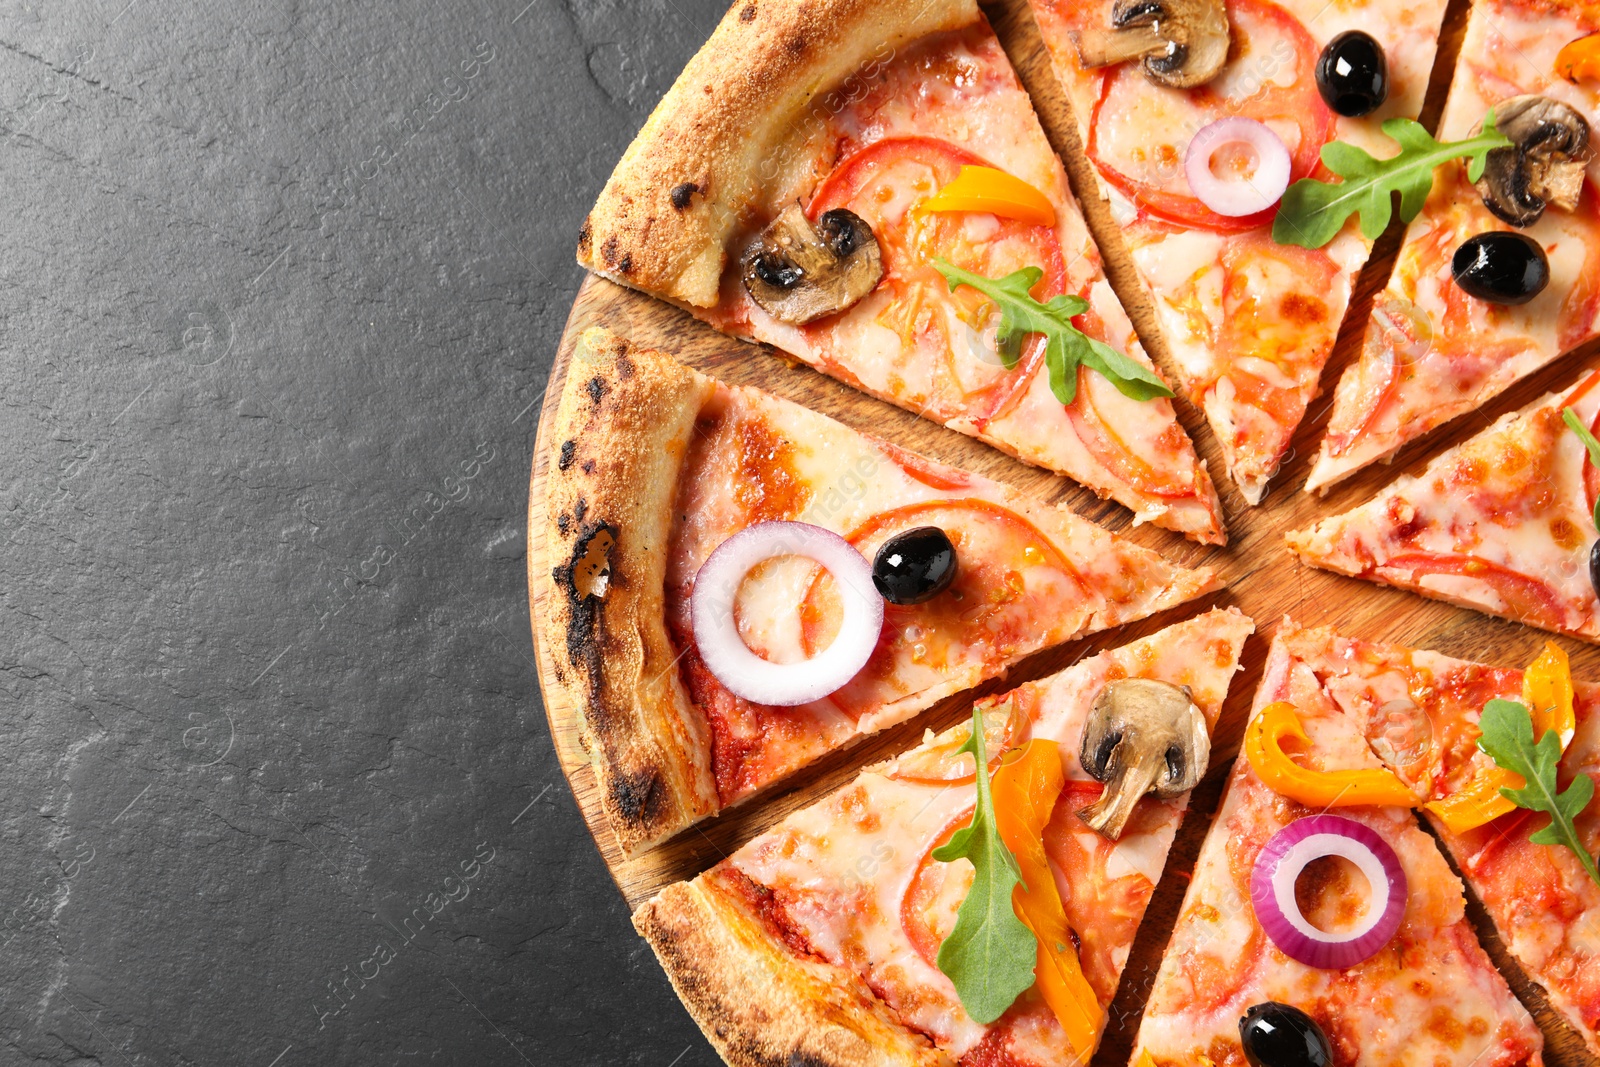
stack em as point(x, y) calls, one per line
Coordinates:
point(1594, 567)
point(1278, 1035)
point(1352, 74)
point(1501, 267)
point(915, 565)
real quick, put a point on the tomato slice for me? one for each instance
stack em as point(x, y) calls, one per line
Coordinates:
point(884, 183)
point(944, 764)
point(1526, 598)
point(1009, 579)
point(935, 892)
point(1131, 113)
point(1102, 441)
point(1401, 335)
point(933, 475)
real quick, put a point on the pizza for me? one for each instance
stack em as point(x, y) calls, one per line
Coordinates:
point(657, 468)
point(818, 942)
point(1426, 993)
point(812, 180)
point(1503, 523)
point(1247, 321)
point(1420, 711)
point(1431, 351)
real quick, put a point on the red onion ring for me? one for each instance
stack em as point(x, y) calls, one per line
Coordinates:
point(1288, 853)
point(716, 633)
point(1240, 196)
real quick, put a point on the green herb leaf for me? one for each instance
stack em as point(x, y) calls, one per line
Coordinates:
point(1508, 739)
point(1065, 345)
point(990, 954)
point(1570, 417)
point(1311, 213)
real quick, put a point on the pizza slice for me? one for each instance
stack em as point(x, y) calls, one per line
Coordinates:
point(1420, 712)
point(1247, 322)
point(1503, 523)
point(819, 177)
point(1431, 350)
point(1333, 924)
point(709, 653)
point(822, 941)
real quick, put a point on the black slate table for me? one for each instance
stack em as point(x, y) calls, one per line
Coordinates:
point(280, 286)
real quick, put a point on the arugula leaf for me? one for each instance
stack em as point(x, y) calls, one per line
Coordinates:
point(1570, 417)
point(1065, 345)
point(1508, 739)
point(1311, 213)
point(990, 954)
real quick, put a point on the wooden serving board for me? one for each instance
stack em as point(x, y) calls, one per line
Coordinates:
point(1264, 580)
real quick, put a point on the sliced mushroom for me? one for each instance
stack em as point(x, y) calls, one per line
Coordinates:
point(798, 272)
point(1184, 43)
point(1545, 164)
point(1142, 736)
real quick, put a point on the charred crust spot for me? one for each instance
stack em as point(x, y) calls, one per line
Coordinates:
point(581, 581)
point(637, 795)
point(585, 236)
point(625, 367)
point(608, 251)
point(626, 264)
point(748, 13)
point(569, 449)
point(588, 466)
point(596, 387)
point(683, 194)
point(795, 46)
point(563, 522)
point(798, 1058)
point(580, 509)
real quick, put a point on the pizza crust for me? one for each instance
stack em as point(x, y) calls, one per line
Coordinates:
point(760, 1004)
point(725, 133)
point(622, 430)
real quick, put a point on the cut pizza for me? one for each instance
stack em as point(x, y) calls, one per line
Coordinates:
point(1493, 281)
point(836, 938)
point(1196, 116)
point(744, 584)
point(1503, 522)
point(1428, 717)
point(1274, 949)
point(866, 187)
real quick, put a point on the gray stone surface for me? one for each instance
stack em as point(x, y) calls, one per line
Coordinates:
point(280, 286)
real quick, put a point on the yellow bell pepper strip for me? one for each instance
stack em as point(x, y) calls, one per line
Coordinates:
point(1580, 59)
point(1547, 692)
point(1025, 787)
point(1263, 747)
point(994, 191)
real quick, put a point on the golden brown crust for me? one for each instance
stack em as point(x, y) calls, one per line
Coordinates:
point(621, 432)
point(759, 1003)
point(735, 122)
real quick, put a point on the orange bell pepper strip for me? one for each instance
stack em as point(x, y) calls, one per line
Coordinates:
point(1547, 694)
point(1025, 787)
point(1580, 59)
point(1263, 747)
point(994, 191)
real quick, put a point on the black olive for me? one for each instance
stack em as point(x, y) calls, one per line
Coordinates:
point(1501, 267)
point(1277, 1035)
point(1352, 74)
point(1594, 567)
point(915, 565)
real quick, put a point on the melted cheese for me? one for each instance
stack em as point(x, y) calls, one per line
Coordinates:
point(1509, 48)
point(1512, 496)
point(843, 867)
point(1430, 999)
point(917, 348)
